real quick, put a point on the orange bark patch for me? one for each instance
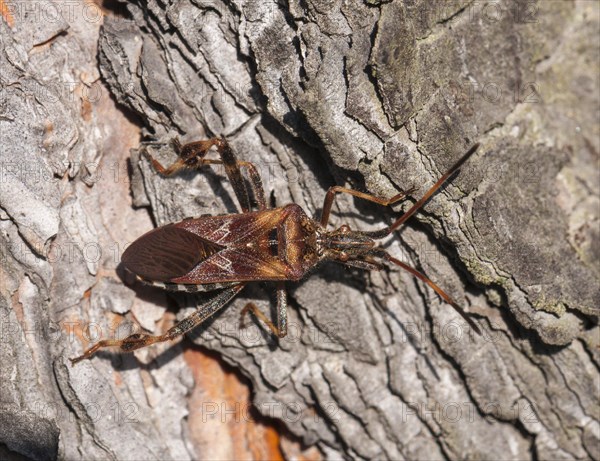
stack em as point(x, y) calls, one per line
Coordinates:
point(6, 14)
point(220, 420)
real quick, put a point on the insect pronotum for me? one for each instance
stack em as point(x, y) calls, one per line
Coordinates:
point(226, 252)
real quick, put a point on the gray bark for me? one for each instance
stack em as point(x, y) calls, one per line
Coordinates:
point(378, 96)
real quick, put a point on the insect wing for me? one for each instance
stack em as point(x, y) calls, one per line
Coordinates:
point(237, 265)
point(233, 229)
point(167, 253)
point(245, 256)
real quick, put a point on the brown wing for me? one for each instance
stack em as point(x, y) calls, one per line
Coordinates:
point(245, 256)
point(213, 249)
point(237, 265)
point(167, 253)
point(234, 229)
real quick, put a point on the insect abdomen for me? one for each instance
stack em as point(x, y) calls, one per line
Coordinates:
point(185, 288)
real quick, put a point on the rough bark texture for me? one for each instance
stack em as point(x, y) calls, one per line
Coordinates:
point(380, 96)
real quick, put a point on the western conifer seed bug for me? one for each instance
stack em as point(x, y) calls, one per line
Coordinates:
point(272, 245)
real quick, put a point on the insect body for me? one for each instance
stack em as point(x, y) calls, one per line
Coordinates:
point(275, 245)
point(272, 245)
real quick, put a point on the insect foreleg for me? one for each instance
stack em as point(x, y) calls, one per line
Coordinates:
point(364, 264)
point(417, 206)
point(281, 329)
point(372, 198)
point(140, 340)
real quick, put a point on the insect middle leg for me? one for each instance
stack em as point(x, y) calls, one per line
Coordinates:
point(140, 340)
point(281, 329)
point(191, 156)
point(329, 197)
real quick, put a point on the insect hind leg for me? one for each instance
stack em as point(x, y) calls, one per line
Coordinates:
point(140, 340)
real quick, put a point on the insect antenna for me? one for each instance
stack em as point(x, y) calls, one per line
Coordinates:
point(412, 210)
point(446, 297)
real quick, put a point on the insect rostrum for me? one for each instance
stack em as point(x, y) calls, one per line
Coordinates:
point(226, 252)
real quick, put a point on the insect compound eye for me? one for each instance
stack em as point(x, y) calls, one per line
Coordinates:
point(344, 228)
point(343, 256)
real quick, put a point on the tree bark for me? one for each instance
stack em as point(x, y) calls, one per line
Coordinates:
point(377, 96)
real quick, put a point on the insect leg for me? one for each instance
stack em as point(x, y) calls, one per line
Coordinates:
point(255, 182)
point(281, 329)
point(412, 210)
point(282, 309)
point(140, 340)
point(365, 264)
point(232, 168)
point(191, 156)
point(178, 165)
point(372, 198)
